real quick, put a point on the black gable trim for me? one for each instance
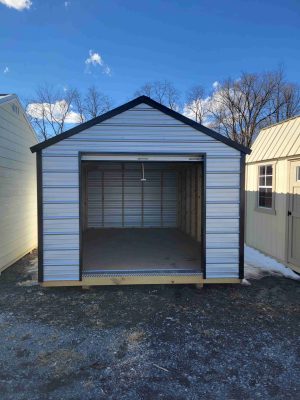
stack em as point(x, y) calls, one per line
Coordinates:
point(131, 104)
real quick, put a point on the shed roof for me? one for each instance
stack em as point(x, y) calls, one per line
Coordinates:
point(6, 98)
point(277, 141)
point(131, 104)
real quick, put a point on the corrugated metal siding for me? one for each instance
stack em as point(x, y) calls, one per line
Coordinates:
point(128, 202)
point(18, 215)
point(144, 129)
point(277, 141)
point(94, 199)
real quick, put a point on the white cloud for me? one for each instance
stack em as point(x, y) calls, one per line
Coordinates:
point(53, 112)
point(216, 84)
point(96, 60)
point(17, 4)
point(73, 118)
point(67, 4)
point(6, 70)
point(200, 106)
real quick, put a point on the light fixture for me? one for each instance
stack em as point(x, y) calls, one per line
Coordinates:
point(143, 174)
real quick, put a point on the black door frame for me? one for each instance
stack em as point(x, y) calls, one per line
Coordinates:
point(203, 205)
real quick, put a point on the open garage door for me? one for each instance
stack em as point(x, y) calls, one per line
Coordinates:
point(142, 216)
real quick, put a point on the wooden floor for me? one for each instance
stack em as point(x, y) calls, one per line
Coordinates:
point(140, 250)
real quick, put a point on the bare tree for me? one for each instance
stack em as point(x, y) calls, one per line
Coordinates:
point(286, 99)
point(96, 103)
point(197, 105)
point(161, 91)
point(51, 110)
point(291, 103)
point(79, 105)
point(240, 108)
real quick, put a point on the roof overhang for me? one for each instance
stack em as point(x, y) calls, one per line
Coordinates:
point(128, 106)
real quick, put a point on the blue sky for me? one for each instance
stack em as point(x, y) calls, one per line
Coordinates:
point(186, 42)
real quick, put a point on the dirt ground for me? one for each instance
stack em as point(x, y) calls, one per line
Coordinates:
point(148, 342)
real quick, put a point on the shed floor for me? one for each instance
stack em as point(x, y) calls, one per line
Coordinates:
point(140, 250)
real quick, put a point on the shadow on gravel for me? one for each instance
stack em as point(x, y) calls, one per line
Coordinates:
point(148, 342)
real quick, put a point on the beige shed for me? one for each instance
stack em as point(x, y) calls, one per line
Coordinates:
point(273, 193)
point(18, 202)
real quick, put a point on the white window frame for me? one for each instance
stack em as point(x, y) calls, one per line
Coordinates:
point(268, 210)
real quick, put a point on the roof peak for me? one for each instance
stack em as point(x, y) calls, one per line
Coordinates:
point(131, 104)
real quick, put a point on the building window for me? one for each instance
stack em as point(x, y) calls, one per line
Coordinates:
point(265, 186)
point(298, 173)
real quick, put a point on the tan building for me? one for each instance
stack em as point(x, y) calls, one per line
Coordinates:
point(18, 221)
point(273, 192)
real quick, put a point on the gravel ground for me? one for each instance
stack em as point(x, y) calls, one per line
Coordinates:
point(148, 342)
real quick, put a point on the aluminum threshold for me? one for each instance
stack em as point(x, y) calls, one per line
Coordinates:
point(161, 272)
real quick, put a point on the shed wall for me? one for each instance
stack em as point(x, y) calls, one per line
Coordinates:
point(18, 216)
point(140, 129)
point(267, 232)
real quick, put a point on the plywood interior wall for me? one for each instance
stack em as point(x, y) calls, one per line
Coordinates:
point(189, 200)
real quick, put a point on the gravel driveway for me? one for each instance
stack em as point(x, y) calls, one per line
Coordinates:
point(148, 342)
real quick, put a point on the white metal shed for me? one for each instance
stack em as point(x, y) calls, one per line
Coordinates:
point(18, 206)
point(140, 194)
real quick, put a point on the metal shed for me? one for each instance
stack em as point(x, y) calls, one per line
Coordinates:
point(140, 195)
point(273, 192)
point(18, 208)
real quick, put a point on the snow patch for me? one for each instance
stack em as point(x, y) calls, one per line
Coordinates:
point(257, 265)
point(28, 283)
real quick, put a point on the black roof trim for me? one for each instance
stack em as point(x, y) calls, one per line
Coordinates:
point(131, 104)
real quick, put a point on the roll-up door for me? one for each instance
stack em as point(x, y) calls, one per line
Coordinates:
point(132, 209)
point(94, 199)
point(117, 197)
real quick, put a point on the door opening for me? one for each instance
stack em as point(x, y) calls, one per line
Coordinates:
point(141, 217)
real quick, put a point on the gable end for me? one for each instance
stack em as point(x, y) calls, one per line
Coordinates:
point(131, 104)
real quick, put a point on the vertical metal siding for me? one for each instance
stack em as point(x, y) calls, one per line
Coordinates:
point(94, 199)
point(128, 202)
point(169, 199)
point(132, 198)
point(143, 129)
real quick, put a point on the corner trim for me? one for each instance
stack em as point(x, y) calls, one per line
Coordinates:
point(39, 172)
point(203, 216)
point(81, 204)
point(242, 217)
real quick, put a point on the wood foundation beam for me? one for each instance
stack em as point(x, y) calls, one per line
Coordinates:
point(141, 280)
